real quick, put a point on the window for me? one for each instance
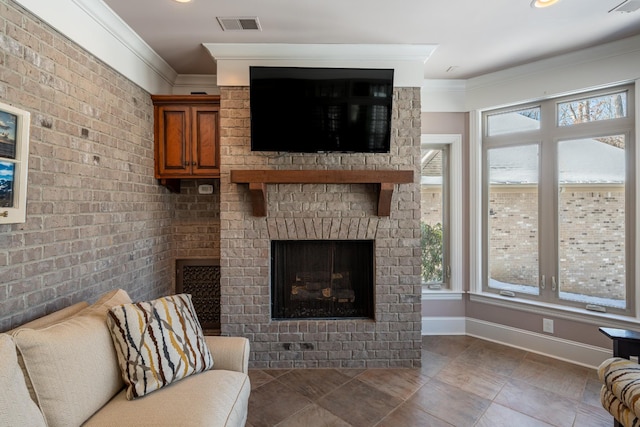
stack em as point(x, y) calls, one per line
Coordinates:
point(559, 201)
point(441, 212)
point(513, 218)
point(14, 156)
point(434, 223)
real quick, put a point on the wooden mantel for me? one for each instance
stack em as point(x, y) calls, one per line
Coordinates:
point(258, 180)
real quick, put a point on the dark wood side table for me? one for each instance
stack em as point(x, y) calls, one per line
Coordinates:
point(626, 343)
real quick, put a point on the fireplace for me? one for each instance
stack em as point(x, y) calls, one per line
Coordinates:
point(389, 334)
point(322, 279)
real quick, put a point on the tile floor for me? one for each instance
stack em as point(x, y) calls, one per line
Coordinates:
point(463, 381)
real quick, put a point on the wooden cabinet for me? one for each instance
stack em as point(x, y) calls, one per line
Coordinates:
point(186, 137)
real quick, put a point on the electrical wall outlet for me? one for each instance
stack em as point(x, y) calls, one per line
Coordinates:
point(547, 325)
point(205, 189)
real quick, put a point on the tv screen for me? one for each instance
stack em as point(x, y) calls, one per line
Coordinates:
point(309, 110)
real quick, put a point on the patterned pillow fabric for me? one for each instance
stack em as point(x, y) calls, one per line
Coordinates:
point(158, 342)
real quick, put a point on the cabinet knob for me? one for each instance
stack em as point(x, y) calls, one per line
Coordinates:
point(193, 163)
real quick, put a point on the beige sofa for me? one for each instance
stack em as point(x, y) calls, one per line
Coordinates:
point(62, 371)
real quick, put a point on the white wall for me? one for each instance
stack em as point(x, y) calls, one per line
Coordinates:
point(599, 66)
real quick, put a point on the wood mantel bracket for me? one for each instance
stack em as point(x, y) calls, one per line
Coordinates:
point(258, 180)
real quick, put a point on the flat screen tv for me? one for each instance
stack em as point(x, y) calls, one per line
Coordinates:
point(313, 110)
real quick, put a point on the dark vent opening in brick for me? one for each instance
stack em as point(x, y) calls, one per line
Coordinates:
point(322, 279)
point(201, 279)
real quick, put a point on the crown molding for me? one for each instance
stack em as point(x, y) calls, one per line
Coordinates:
point(187, 83)
point(589, 68)
point(94, 26)
point(337, 52)
point(234, 59)
point(443, 95)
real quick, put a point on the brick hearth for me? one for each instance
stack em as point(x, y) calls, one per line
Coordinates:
point(321, 211)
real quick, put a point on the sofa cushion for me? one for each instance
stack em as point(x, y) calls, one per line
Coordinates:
point(72, 364)
point(16, 406)
point(213, 398)
point(158, 342)
point(55, 317)
point(43, 322)
point(103, 304)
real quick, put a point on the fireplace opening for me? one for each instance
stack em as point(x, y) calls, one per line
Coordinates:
point(322, 279)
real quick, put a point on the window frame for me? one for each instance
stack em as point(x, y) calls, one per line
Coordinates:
point(18, 212)
point(455, 217)
point(551, 134)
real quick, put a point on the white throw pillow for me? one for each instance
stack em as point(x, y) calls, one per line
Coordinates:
point(16, 406)
point(72, 364)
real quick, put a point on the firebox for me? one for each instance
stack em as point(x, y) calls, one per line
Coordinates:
point(322, 279)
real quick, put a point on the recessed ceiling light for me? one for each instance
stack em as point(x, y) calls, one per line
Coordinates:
point(543, 3)
point(183, 1)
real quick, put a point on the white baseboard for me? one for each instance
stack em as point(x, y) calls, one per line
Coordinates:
point(562, 349)
point(443, 326)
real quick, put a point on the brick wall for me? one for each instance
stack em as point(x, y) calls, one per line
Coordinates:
point(196, 221)
point(592, 241)
point(592, 252)
point(431, 205)
point(96, 218)
point(513, 220)
point(305, 211)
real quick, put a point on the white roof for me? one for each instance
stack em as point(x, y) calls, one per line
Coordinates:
point(585, 160)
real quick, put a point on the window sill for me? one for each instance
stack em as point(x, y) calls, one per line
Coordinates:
point(557, 311)
point(441, 294)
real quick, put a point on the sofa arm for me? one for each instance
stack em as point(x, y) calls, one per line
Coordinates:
point(229, 353)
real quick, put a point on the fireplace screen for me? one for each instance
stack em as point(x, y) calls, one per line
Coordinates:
point(313, 279)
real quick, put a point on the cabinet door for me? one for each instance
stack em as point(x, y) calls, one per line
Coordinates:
point(204, 150)
point(174, 133)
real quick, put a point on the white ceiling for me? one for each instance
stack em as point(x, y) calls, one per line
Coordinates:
point(474, 36)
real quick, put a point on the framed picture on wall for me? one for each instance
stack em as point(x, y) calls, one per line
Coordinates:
point(14, 156)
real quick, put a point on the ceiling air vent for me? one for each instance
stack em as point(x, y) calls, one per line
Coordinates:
point(627, 6)
point(239, 23)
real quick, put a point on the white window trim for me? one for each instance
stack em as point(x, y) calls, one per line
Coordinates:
point(637, 219)
point(475, 239)
point(18, 212)
point(475, 201)
point(456, 251)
